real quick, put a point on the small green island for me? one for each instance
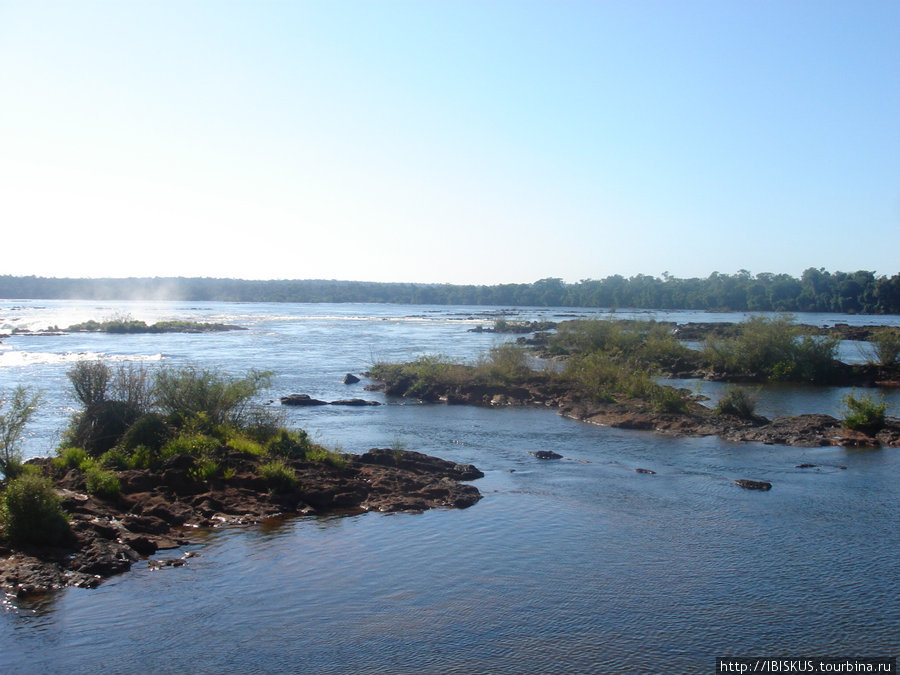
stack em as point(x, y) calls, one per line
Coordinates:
point(607, 371)
point(151, 455)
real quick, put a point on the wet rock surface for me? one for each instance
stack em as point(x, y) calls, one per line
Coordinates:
point(157, 510)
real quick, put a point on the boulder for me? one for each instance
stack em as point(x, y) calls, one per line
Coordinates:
point(354, 402)
point(649, 471)
point(753, 484)
point(546, 454)
point(301, 400)
point(350, 378)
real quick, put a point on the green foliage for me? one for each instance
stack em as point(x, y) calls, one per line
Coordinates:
point(101, 425)
point(775, 349)
point(31, 511)
point(205, 471)
point(150, 430)
point(885, 346)
point(737, 401)
point(117, 459)
point(90, 380)
point(100, 482)
point(279, 476)
point(668, 399)
point(245, 445)
point(15, 412)
point(289, 444)
point(506, 363)
point(194, 444)
point(143, 457)
point(69, 458)
point(321, 455)
point(191, 392)
point(864, 413)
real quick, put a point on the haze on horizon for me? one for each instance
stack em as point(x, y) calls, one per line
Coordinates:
point(459, 142)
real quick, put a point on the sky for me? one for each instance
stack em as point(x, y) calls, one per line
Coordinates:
point(448, 141)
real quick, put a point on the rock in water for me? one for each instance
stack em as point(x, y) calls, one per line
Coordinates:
point(350, 378)
point(753, 484)
point(301, 400)
point(546, 454)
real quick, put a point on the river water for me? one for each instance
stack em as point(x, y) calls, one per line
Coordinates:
point(576, 565)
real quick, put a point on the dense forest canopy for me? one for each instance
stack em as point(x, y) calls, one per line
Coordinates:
point(815, 291)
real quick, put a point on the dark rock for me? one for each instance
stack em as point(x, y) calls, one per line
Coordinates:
point(546, 454)
point(650, 471)
point(805, 466)
point(753, 484)
point(354, 402)
point(301, 400)
point(350, 378)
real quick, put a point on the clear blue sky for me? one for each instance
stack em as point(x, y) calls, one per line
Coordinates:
point(464, 142)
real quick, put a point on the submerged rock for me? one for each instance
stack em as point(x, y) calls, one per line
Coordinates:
point(301, 400)
point(648, 471)
point(748, 484)
point(546, 454)
point(354, 402)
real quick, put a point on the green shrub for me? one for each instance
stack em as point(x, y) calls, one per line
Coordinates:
point(197, 445)
point(863, 413)
point(116, 459)
point(885, 346)
point(279, 476)
point(668, 399)
point(289, 444)
point(737, 401)
point(245, 445)
point(101, 426)
point(90, 380)
point(31, 511)
point(207, 470)
point(100, 482)
point(193, 391)
point(69, 458)
point(150, 430)
point(15, 412)
point(143, 457)
point(321, 455)
point(504, 363)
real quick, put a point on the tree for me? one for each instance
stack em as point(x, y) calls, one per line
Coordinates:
point(15, 412)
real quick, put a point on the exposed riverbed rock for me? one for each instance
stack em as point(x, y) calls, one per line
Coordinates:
point(350, 378)
point(546, 454)
point(748, 484)
point(157, 510)
point(301, 400)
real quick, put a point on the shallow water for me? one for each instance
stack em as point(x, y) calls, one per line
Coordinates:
point(576, 565)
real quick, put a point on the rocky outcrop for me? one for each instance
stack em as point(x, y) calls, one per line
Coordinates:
point(301, 400)
point(350, 378)
point(748, 484)
point(546, 454)
point(156, 510)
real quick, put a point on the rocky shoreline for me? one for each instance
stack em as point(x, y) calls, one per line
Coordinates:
point(156, 510)
point(800, 431)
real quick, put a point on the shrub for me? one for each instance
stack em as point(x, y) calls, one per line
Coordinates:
point(321, 455)
point(190, 392)
point(668, 399)
point(245, 445)
point(100, 482)
point(289, 444)
point(197, 445)
point(90, 380)
point(101, 426)
point(207, 470)
point(863, 413)
point(143, 457)
point(69, 458)
point(117, 458)
point(737, 401)
point(279, 476)
point(15, 412)
point(506, 362)
point(150, 430)
point(31, 511)
point(885, 346)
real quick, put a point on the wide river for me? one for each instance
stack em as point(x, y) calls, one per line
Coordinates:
point(577, 565)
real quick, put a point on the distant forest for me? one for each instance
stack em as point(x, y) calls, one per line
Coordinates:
point(815, 291)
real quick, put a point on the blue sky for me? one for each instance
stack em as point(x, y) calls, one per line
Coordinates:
point(462, 142)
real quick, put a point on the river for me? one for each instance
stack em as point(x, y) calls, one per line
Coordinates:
point(576, 565)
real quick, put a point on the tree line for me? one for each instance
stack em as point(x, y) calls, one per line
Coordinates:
point(817, 290)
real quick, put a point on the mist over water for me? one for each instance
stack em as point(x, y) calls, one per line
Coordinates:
point(577, 565)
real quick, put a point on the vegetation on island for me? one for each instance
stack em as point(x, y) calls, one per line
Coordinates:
point(128, 325)
point(134, 418)
point(816, 290)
